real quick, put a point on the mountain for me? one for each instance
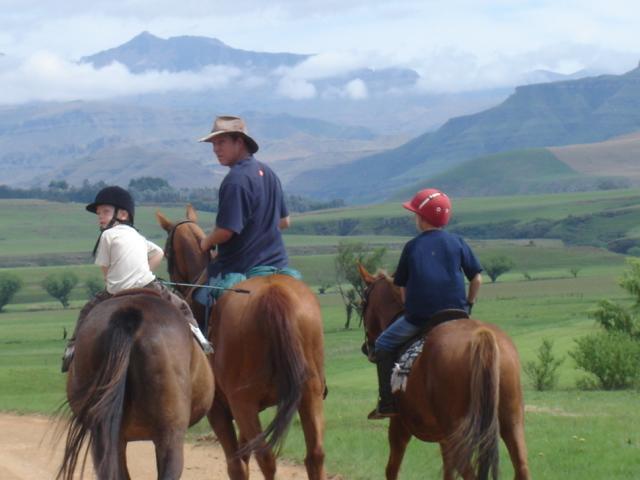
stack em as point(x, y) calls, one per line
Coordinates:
point(115, 142)
point(176, 54)
point(384, 100)
point(579, 111)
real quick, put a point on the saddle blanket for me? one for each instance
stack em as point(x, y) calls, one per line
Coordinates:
point(206, 296)
point(403, 366)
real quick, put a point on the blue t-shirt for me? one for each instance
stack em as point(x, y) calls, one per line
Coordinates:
point(431, 269)
point(250, 204)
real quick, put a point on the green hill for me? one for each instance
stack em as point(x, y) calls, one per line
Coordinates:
point(561, 113)
point(518, 172)
point(603, 218)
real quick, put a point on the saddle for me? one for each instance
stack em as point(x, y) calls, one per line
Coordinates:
point(137, 291)
point(411, 349)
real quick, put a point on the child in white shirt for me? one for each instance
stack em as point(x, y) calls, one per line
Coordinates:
point(126, 259)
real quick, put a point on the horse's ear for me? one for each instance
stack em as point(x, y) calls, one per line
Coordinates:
point(191, 213)
point(365, 275)
point(164, 222)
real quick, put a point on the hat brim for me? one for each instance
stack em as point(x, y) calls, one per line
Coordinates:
point(251, 143)
point(410, 207)
point(92, 207)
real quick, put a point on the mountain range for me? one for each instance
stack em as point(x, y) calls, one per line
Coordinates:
point(392, 140)
point(586, 110)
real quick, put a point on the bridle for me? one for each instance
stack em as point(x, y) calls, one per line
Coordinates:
point(169, 253)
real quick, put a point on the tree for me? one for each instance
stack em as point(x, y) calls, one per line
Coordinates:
point(148, 183)
point(92, 286)
point(497, 265)
point(574, 271)
point(612, 356)
point(9, 285)
point(349, 255)
point(59, 286)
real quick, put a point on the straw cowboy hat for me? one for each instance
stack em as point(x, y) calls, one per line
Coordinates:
point(228, 124)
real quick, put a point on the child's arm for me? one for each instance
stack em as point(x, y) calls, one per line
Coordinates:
point(155, 259)
point(474, 287)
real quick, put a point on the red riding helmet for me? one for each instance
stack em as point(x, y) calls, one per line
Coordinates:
point(432, 205)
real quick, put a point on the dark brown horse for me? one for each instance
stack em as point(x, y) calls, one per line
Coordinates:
point(463, 391)
point(268, 351)
point(137, 375)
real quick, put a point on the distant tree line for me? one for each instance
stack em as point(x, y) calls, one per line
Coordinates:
point(152, 190)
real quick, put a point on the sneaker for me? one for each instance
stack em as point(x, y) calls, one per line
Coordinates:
point(204, 343)
point(67, 357)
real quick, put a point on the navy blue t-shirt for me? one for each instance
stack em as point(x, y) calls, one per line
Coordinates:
point(431, 269)
point(250, 204)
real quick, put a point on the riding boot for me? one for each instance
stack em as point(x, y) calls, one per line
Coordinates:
point(386, 405)
point(199, 336)
point(68, 355)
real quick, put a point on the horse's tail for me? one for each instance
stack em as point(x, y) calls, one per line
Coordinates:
point(99, 405)
point(275, 309)
point(476, 438)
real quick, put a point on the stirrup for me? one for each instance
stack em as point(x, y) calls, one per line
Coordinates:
point(204, 343)
point(382, 412)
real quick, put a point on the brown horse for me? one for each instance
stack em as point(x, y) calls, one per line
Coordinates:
point(463, 391)
point(137, 374)
point(268, 351)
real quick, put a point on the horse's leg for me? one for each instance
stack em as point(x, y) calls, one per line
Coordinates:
point(312, 419)
point(399, 437)
point(246, 416)
point(170, 454)
point(123, 459)
point(221, 421)
point(449, 469)
point(513, 435)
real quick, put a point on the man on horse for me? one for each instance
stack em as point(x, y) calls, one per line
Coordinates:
point(126, 259)
point(430, 276)
point(251, 205)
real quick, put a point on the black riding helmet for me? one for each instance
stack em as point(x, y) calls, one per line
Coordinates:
point(116, 196)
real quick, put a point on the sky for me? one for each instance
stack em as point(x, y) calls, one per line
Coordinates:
point(455, 45)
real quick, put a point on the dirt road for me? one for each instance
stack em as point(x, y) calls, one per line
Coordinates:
point(28, 452)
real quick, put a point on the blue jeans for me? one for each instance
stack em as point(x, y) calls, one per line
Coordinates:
point(396, 334)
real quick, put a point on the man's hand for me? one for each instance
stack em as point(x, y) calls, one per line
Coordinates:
point(216, 237)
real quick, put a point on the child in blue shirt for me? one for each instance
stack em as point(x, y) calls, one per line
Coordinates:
point(430, 275)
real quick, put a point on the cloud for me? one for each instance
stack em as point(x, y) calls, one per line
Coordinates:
point(356, 89)
point(45, 76)
point(296, 88)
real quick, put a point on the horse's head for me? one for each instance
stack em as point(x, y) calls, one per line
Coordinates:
point(382, 305)
point(185, 260)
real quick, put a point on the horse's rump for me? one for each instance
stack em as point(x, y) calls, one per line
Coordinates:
point(262, 342)
point(130, 378)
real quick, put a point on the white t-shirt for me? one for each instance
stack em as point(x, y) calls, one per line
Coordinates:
point(125, 253)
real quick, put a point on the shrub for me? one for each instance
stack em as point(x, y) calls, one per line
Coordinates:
point(613, 358)
point(59, 286)
point(9, 285)
point(543, 372)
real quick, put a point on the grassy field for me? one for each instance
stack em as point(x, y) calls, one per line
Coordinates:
point(566, 428)
point(571, 434)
